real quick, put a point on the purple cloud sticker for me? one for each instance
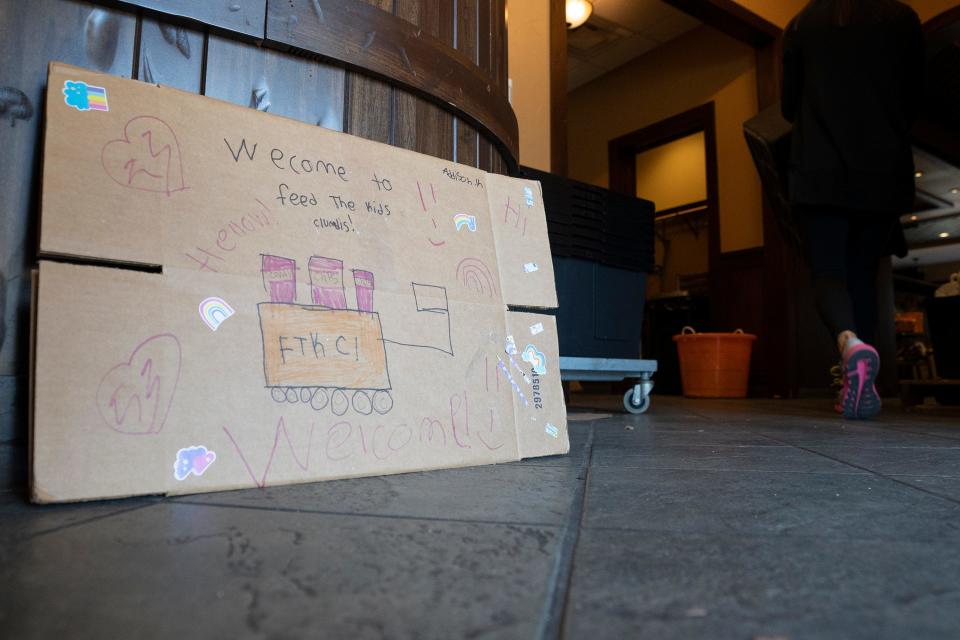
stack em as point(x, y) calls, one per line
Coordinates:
point(193, 460)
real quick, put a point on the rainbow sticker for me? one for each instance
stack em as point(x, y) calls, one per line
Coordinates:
point(536, 359)
point(214, 311)
point(462, 220)
point(84, 97)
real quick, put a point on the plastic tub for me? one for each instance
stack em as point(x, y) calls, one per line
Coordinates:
point(714, 365)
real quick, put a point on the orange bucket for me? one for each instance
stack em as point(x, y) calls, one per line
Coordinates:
point(714, 365)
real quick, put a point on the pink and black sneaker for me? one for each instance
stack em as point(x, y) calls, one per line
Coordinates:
point(859, 399)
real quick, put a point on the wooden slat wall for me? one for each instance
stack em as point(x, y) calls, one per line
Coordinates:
point(465, 137)
point(198, 49)
point(364, 91)
point(271, 81)
point(421, 125)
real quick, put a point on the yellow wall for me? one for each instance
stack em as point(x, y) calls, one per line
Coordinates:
point(674, 174)
point(528, 28)
point(700, 66)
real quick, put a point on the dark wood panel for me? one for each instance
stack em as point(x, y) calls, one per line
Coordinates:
point(737, 302)
point(361, 36)
point(244, 17)
point(34, 34)
point(171, 55)
point(731, 18)
point(276, 82)
point(421, 125)
point(369, 103)
point(465, 20)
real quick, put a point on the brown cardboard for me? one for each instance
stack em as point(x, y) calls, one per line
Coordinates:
point(523, 249)
point(317, 305)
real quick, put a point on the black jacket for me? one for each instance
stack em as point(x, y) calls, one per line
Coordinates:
point(853, 93)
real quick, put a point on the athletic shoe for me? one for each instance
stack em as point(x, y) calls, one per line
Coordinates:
point(860, 398)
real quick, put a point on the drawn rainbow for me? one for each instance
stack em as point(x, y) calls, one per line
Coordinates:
point(462, 220)
point(214, 311)
point(473, 274)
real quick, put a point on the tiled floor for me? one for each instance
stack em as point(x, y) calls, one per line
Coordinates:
point(698, 520)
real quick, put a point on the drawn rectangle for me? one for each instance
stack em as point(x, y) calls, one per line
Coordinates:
point(307, 346)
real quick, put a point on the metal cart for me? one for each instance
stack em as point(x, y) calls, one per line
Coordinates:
point(636, 399)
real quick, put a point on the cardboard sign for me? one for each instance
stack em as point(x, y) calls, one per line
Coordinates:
point(248, 301)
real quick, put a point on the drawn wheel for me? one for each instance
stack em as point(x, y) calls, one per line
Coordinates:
point(361, 403)
point(291, 395)
point(278, 394)
point(319, 400)
point(306, 395)
point(632, 407)
point(382, 402)
point(339, 402)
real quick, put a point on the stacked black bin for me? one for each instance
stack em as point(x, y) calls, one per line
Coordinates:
point(603, 247)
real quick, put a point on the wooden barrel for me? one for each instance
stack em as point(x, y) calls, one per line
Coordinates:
point(427, 75)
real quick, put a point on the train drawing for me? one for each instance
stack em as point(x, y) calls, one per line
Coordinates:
point(325, 353)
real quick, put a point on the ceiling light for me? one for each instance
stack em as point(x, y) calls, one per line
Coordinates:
point(944, 234)
point(577, 12)
point(913, 218)
point(955, 190)
point(918, 174)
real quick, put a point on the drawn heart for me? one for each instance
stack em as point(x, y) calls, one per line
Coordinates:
point(146, 158)
point(134, 397)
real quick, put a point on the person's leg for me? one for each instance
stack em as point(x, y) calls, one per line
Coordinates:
point(867, 240)
point(825, 243)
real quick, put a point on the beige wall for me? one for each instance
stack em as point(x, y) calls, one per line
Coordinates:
point(528, 29)
point(779, 12)
point(927, 9)
point(701, 66)
point(674, 174)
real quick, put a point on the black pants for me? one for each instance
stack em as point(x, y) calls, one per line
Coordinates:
point(844, 248)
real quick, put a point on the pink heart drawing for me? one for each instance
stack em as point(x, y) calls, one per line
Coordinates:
point(134, 397)
point(146, 158)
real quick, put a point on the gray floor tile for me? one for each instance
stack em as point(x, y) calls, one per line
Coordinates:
point(654, 436)
point(940, 461)
point(186, 571)
point(507, 493)
point(947, 487)
point(19, 519)
point(831, 505)
point(666, 587)
point(717, 457)
point(855, 436)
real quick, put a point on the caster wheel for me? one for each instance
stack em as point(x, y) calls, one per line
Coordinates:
point(631, 407)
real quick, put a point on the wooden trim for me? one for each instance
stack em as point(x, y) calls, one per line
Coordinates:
point(732, 19)
point(690, 206)
point(362, 37)
point(558, 88)
point(623, 158)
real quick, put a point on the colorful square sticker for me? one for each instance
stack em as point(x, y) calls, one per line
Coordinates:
point(84, 97)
